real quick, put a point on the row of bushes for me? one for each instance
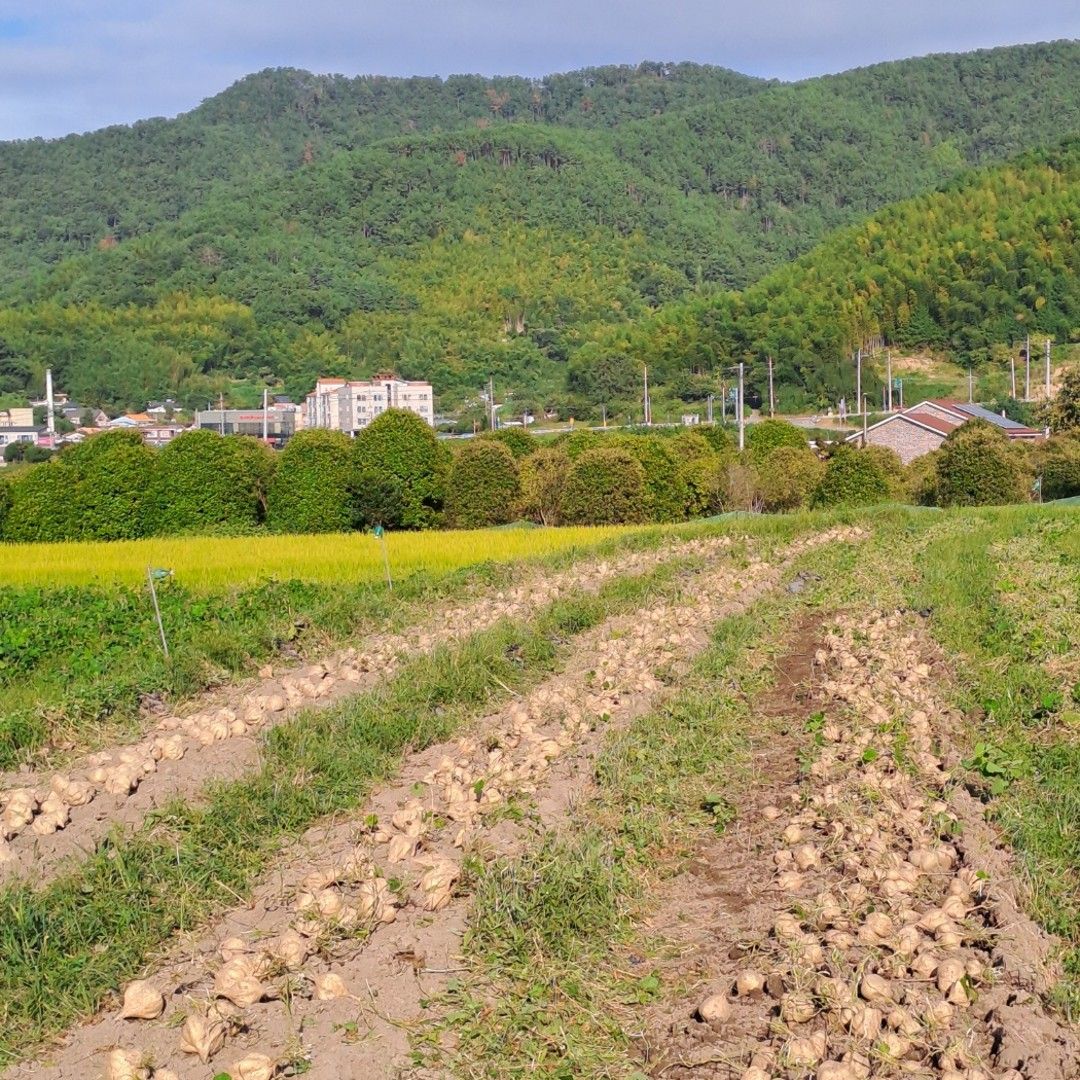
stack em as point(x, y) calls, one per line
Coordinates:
point(396, 473)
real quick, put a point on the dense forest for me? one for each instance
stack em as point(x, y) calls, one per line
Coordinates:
point(551, 233)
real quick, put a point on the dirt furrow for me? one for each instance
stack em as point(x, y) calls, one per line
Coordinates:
point(328, 967)
point(860, 920)
point(46, 818)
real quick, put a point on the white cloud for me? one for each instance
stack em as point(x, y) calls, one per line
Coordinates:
point(70, 65)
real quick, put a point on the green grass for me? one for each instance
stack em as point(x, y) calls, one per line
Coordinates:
point(67, 945)
point(1004, 590)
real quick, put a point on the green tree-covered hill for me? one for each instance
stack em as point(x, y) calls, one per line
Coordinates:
point(980, 264)
point(540, 230)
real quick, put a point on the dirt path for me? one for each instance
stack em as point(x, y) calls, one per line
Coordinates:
point(332, 960)
point(50, 817)
point(860, 919)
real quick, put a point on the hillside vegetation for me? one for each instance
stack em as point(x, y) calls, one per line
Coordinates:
point(992, 257)
point(298, 225)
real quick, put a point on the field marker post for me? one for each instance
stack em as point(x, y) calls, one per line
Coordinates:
point(151, 575)
point(380, 534)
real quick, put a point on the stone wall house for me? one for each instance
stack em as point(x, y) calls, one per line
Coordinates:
point(924, 427)
point(910, 434)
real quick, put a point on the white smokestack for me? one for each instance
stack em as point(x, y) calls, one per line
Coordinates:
point(50, 414)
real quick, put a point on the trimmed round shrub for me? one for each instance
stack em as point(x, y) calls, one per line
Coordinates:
point(605, 486)
point(787, 478)
point(542, 480)
point(920, 479)
point(892, 468)
point(518, 441)
point(721, 439)
point(208, 481)
point(575, 443)
point(666, 491)
point(5, 502)
point(852, 478)
point(1057, 461)
point(483, 486)
point(312, 489)
point(701, 470)
point(978, 466)
point(398, 445)
point(112, 474)
point(767, 435)
point(42, 504)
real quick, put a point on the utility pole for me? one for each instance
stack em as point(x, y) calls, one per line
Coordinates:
point(723, 402)
point(858, 379)
point(221, 412)
point(491, 403)
point(50, 414)
point(888, 380)
point(741, 407)
point(1027, 369)
point(772, 402)
point(1047, 369)
point(971, 399)
point(266, 415)
point(603, 413)
point(648, 406)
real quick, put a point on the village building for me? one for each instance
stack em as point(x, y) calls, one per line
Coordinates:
point(350, 405)
point(924, 427)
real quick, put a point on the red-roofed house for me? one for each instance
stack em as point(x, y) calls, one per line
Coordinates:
point(924, 427)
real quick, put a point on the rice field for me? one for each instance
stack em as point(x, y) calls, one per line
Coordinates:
point(209, 562)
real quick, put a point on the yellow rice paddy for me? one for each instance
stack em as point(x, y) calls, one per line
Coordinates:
point(207, 562)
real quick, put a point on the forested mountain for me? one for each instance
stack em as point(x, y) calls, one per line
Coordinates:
point(542, 231)
point(64, 196)
point(972, 268)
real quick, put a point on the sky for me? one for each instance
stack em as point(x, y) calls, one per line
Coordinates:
point(76, 65)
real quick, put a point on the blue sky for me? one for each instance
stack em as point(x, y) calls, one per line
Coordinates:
point(74, 65)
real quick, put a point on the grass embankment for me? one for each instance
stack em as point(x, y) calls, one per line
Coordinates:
point(1004, 587)
point(209, 562)
point(553, 988)
point(64, 947)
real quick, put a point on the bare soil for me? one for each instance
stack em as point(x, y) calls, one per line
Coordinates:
point(219, 736)
point(864, 891)
point(380, 899)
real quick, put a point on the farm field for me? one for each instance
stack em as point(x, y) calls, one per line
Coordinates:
point(775, 798)
point(210, 562)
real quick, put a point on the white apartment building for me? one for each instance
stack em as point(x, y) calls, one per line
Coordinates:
point(350, 405)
